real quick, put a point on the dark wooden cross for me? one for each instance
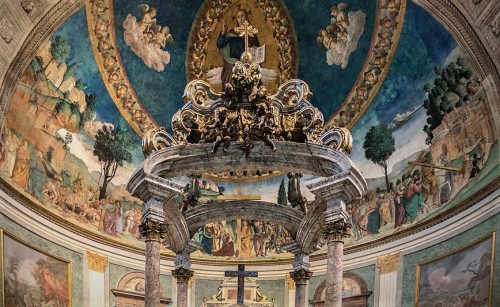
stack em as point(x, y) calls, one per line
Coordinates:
point(241, 274)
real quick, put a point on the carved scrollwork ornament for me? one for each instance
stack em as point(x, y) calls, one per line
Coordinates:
point(336, 231)
point(155, 139)
point(153, 230)
point(182, 275)
point(246, 112)
point(301, 276)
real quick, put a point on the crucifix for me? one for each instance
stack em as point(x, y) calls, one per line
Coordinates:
point(246, 30)
point(241, 274)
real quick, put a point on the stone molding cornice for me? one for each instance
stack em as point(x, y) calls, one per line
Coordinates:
point(301, 262)
point(146, 186)
point(182, 160)
point(153, 212)
point(345, 186)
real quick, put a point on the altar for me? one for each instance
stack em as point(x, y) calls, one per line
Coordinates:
point(227, 294)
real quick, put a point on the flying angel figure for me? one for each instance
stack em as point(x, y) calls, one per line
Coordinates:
point(339, 16)
point(162, 36)
point(148, 18)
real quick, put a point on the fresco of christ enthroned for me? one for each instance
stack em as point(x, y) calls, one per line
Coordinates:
point(216, 44)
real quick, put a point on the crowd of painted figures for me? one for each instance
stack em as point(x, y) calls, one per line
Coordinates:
point(30, 171)
point(245, 238)
point(413, 197)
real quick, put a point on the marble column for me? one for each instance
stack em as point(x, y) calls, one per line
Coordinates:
point(182, 273)
point(335, 229)
point(153, 228)
point(301, 275)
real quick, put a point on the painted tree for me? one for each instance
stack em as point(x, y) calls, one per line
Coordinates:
point(89, 113)
point(36, 68)
point(13, 269)
point(379, 146)
point(111, 147)
point(282, 200)
point(60, 50)
point(447, 92)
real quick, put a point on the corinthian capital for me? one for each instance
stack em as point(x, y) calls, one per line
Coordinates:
point(337, 230)
point(301, 276)
point(182, 275)
point(153, 230)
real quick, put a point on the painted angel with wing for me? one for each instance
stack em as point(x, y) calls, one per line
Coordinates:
point(148, 17)
point(146, 38)
point(340, 37)
point(162, 36)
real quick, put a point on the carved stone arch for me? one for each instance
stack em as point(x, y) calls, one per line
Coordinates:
point(177, 234)
point(310, 227)
point(358, 296)
point(206, 213)
point(130, 290)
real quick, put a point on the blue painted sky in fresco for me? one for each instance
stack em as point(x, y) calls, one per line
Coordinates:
point(329, 84)
point(81, 51)
point(161, 92)
point(424, 43)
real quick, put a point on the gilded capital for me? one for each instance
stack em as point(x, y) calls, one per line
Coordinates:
point(96, 263)
point(182, 275)
point(153, 230)
point(336, 231)
point(389, 263)
point(301, 276)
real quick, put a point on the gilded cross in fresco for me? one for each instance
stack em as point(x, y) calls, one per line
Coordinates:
point(246, 30)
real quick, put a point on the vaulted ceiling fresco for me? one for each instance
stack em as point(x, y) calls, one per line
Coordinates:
point(423, 135)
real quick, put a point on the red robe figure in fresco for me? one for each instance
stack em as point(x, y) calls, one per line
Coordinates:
point(53, 288)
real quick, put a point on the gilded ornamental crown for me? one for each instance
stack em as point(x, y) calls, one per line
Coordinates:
point(245, 112)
